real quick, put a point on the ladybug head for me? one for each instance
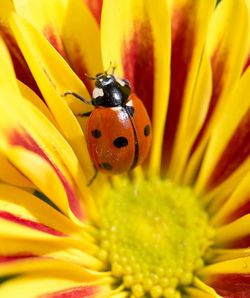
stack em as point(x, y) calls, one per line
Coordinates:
point(104, 79)
point(110, 91)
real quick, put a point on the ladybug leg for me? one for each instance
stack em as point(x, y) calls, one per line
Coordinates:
point(87, 114)
point(93, 178)
point(78, 96)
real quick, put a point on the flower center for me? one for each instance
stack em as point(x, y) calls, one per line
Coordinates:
point(153, 235)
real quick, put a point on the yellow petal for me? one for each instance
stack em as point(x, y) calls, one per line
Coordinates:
point(219, 194)
point(45, 287)
point(234, 233)
point(20, 254)
point(202, 286)
point(196, 293)
point(191, 124)
point(10, 175)
point(34, 251)
point(186, 55)
point(81, 38)
point(53, 84)
point(95, 7)
point(137, 38)
point(220, 254)
point(49, 179)
point(7, 68)
point(32, 245)
point(236, 205)
point(229, 147)
point(46, 17)
point(227, 45)
point(21, 68)
point(6, 8)
point(247, 60)
point(38, 264)
point(70, 27)
point(25, 205)
point(26, 140)
point(22, 118)
point(53, 285)
point(229, 278)
point(11, 228)
point(30, 95)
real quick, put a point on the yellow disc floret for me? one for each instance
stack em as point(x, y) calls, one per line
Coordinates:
point(154, 234)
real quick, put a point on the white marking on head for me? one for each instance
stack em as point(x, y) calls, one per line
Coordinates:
point(120, 81)
point(97, 92)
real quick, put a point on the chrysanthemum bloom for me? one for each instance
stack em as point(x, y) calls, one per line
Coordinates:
point(176, 227)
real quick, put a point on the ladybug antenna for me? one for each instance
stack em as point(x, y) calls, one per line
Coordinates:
point(100, 74)
point(113, 69)
point(90, 77)
point(106, 71)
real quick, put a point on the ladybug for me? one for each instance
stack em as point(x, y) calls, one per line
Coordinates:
point(118, 130)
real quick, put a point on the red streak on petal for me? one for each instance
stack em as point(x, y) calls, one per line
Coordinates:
point(243, 242)
point(7, 259)
point(236, 151)
point(95, 7)
point(20, 66)
point(239, 212)
point(183, 40)
point(55, 40)
point(138, 63)
point(77, 63)
point(218, 70)
point(232, 285)
point(26, 141)
point(76, 60)
point(79, 292)
point(30, 223)
point(246, 64)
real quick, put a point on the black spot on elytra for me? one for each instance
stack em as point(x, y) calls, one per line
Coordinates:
point(131, 110)
point(106, 166)
point(147, 130)
point(96, 133)
point(120, 142)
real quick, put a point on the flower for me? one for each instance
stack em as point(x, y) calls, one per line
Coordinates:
point(176, 227)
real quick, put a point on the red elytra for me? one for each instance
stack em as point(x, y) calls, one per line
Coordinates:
point(119, 138)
